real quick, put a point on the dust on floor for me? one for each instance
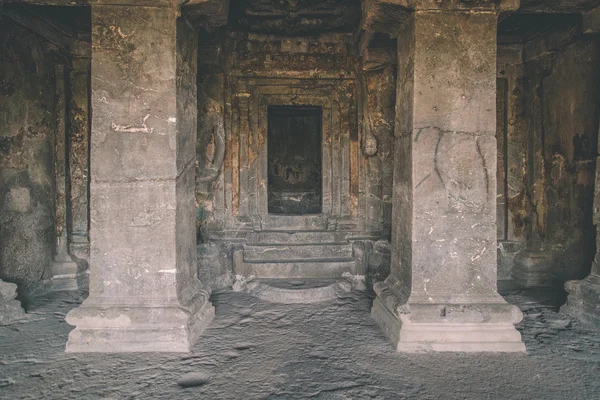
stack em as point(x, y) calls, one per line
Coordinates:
point(259, 350)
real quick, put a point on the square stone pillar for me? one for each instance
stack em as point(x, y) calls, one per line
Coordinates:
point(144, 292)
point(441, 293)
point(583, 302)
point(78, 155)
point(64, 269)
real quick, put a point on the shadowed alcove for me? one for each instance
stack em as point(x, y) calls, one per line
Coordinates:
point(294, 160)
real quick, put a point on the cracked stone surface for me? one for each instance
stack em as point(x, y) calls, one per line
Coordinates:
point(260, 350)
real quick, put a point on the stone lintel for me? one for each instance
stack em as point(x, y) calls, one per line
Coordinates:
point(458, 5)
point(208, 13)
point(139, 3)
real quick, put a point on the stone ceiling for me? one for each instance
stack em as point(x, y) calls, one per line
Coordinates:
point(521, 28)
point(294, 17)
point(306, 17)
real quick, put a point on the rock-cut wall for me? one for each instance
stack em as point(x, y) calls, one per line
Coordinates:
point(27, 124)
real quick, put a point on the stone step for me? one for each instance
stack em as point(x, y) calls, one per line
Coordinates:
point(290, 270)
point(294, 291)
point(298, 237)
point(298, 253)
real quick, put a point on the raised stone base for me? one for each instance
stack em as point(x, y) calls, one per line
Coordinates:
point(10, 309)
point(583, 302)
point(299, 291)
point(110, 328)
point(450, 327)
point(533, 269)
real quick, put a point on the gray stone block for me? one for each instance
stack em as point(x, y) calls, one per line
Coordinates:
point(10, 309)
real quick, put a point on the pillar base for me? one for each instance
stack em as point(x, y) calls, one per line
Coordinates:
point(583, 302)
point(64, 276)
point(103, 326)
point(485, 325)
point(533, 269)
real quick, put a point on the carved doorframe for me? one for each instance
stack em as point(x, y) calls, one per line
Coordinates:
point(250, 98)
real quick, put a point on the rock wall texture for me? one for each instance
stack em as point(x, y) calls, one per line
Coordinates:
point(78, 127)
point(241, 75)
point(562, 100)
point(27, 124)
point(511, 135)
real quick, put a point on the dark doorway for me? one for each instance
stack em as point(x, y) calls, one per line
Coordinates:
point(294, 160)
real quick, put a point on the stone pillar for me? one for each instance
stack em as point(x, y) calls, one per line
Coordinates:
point(533, 265)
point(441, 292)
point(144, 290)
point(583, 302)
point(64, 269)
point(78, 153)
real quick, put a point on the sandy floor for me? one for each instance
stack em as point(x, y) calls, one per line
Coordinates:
point(259, 350)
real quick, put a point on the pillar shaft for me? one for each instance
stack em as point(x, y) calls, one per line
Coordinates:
point(64, 269)
point(78, 156)
point(441, 292)
point(144, 291)
point(583, 302)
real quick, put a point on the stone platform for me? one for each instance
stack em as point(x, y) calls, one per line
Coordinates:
point(295, 255)
point(301, 291)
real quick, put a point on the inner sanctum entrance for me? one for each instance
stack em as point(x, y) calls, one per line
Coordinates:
point(294, 160)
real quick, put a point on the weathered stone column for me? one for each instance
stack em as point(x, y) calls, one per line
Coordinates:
point(583, 302)
point(64, 269)
point(144, 291)
point(533, 266)
point(441, 293)
point(78, 154)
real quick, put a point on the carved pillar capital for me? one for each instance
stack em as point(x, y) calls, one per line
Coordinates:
point(387, 16)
